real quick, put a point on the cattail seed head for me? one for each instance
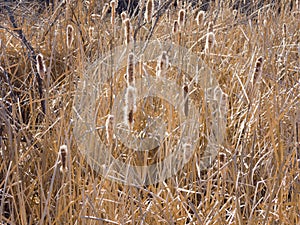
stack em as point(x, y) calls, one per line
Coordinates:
point(175, 27)
point(234, 13)
point(284, 30)
point(210, 27)
point(130, 105)
point(149, 10)
point(63, 153)
point(127, 31)
point(130, 75)
point(130, 98)
point(104, 10)
point(181, 18)
point(200, 18)
point(162, 64)
point(70, 36)
point(258, 69)
point(109, 125)
point(186, 100)
point(113, 11)
point(124, 16)
point(210, 42)
point(40, 64)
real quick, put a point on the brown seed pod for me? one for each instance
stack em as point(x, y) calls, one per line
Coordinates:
point(63, 151)
point(40, 64)
point(162, 64)
point(258, 69)
point(200, 18)
point(181, 18)
point(130, 76)
point(210, 42)
point(186, 99)
point(70, 36)
point(175, 27)
point(127, 31)
point(109, 125)
point(149, 10)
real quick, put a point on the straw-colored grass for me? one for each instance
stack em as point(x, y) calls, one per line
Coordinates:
point(255, 178)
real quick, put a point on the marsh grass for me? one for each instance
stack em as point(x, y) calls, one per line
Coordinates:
point(255, 177)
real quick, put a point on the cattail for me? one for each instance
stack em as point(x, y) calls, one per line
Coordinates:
point(63, 152)
point(210, 42)
point(124, 16)
point(40, 64)
point(127, 29)
point(130, 78)
point(92, 33)
point(175, 27)
point(258, 69)
point(149, 10)
point(234, 13)
point(181, 18)
point(130, 105)
point(186, 99)
point(162, 64)
point(113, 11)
point(104, 10)
point(70, 36)
point(200, 18)
point(109, 125)
point(210, 27)
point(284, 31)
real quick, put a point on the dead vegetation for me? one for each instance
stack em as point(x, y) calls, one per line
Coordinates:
point(254, 179)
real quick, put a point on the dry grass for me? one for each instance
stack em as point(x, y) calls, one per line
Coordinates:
point(255, 177)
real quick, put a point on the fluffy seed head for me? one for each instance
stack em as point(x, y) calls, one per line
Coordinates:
point(63, 153)
point(40, 64)
point(70, 36)
point(109, 125)
point(258, 69)
point(130, 98)
point(210, 42)
point(104, 10)
point(130, 106)
point(149, 10)
point(124, 16)
point(210, 27)
point(113, 11)
point(162, 64)
point(200, 18)
point(127, 31)
point(186, 100)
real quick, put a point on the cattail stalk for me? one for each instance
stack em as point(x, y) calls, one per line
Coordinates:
point(149, 10)
point(63, 153)
point(109, 125)
point(70, 36)
point(130, 75)
point(41, 68)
